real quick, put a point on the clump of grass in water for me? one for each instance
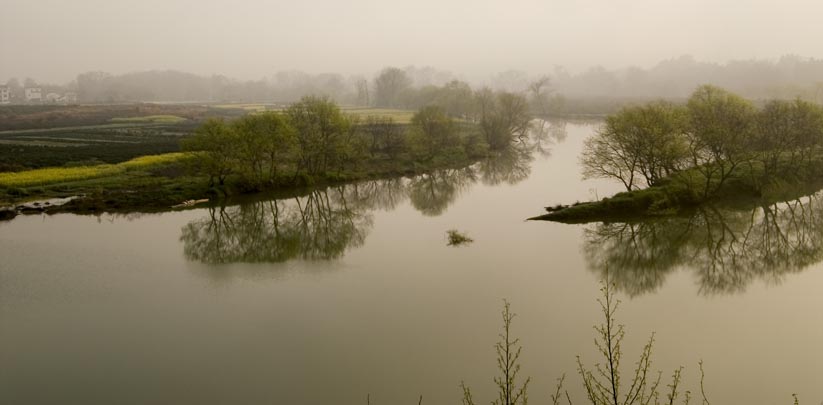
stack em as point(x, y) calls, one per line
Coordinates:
point(456, 238)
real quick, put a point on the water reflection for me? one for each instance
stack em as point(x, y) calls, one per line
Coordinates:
point(320, 225)
point(432, 193)
point(727, 249)
point(323, 224)
point(545, 133)
point(510, 166)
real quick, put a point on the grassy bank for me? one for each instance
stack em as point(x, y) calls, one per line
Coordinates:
point(158, 182)
point(748, 185)
point(148, 182)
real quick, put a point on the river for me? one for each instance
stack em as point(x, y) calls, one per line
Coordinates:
point(352, 291)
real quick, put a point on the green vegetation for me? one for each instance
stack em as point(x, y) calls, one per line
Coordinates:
point(502, 115)
point(312, 142)
point(456, 238)
point(41, 177)
point(155, 119)
point(718, 147)
point(39, 117)
point(33, 137)
point(508, 348)
point(396, 116)
point(245, 107)
point(604, 384)
point(89, 146)
point(144, 184)
point(638, 143)
point(390, 85)
point(316, 225)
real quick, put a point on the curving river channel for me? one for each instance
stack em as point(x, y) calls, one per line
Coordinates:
point(337, 294)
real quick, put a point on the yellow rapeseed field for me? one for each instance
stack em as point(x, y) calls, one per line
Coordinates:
point(53, 175)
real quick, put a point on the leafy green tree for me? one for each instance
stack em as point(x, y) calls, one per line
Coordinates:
point(214, 145)
point(321, 132)
point(502, 116)
point(643, 143)
point(389, 87)
point(385, 136)
point(265, 142)
point(456, 98)
point(720, 129)
point(353, 148)
point(433, 132)
point(787, 131)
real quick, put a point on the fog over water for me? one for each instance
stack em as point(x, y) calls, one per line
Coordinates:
point(54, 40)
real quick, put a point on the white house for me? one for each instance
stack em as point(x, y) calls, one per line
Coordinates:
point(33, 95)
point(70, 98)
point(5, 95)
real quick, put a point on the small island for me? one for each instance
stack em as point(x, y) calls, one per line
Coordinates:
point(717, 149)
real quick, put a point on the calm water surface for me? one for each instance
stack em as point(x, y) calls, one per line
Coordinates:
point(336, 294)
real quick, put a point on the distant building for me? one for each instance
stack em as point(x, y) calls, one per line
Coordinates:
point(5, 95)
point(33, 95)
point(70, 98)
point(53, 98)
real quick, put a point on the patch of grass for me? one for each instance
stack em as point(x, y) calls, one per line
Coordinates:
point(455, 238)
point(240, 106)
point(651, 201)
point(37, 143)
point(74, 128)
point(399, 116)
point(154, 119)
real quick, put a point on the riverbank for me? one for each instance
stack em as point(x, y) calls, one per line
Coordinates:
point(747, 186)
point(165, 182)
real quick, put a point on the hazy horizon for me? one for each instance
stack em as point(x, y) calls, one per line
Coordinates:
point(53, 41)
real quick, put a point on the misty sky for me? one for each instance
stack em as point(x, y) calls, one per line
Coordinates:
point(53, 40)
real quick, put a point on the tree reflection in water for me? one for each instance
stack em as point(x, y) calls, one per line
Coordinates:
point(726, 249)
point(318, 226)
point(509, 166)
point(545, 133)
point(432, 193)
point(323, 224)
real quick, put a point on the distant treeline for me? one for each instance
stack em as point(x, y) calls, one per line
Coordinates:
point(787, 77)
